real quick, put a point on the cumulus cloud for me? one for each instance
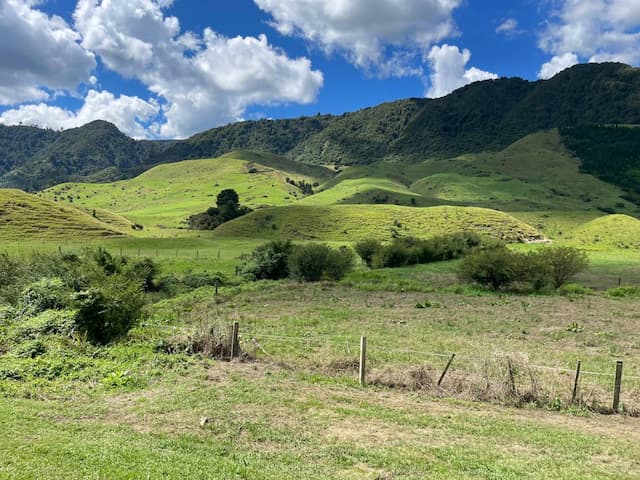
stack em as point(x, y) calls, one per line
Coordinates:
point(38, 51)
point(129, 114)
point(202, 80)
point(364, 29)
point(448, 70)
point(557, 64)
point(596, 30)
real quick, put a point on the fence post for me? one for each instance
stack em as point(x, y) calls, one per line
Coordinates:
point(618, 384)
point(576, 383)
point(512, 378)
point(363, 361)
point(234, 341)
point(453, 355)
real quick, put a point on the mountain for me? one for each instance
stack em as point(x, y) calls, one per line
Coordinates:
point(33, 158)
point(484, 116)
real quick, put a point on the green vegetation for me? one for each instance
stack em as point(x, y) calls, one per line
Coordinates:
point(485, 116)
point(227, 208)
point(165, 196)
point(27, 217)
point(608, 152)
point(500, 267)
point(356, 222)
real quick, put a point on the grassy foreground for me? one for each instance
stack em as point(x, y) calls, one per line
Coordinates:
point(131, 410)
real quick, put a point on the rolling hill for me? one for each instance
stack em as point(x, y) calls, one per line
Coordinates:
point(357, 222)
point(482, 117)
point(164, 196)
point(24, 216)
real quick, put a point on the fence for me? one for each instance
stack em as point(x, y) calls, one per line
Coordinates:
point(495, 377)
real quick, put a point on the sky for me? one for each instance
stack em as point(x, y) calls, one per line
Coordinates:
point(171, 68)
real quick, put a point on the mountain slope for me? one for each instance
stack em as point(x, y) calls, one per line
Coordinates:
point(483, 116)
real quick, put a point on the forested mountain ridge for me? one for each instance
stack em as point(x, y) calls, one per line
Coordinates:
point(484, 116)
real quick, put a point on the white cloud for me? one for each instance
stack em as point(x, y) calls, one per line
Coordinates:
point(364, 29)
point(596, 30)
point(203, 81)
point(557, 64)
point(448, 70)
point(129, 114)
point(509, 27)
point(38, 51)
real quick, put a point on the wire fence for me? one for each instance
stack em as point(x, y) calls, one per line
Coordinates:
point(500, 376)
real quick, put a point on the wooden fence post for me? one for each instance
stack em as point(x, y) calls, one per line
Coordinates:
point(453, 355)
point(363, 361)
point(234, 341)
point(576, 383)
point(618, 384)
point(512, 377)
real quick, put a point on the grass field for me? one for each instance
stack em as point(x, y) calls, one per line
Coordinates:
point(129, 410)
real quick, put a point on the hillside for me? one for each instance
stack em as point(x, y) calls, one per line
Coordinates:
point(26, 216)
point(164, 196)
point(31, 158)
point(619, 231)
point(481, 117)
point(357, 222)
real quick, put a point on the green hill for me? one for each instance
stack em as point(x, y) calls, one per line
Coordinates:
point(482, 117)
point(164, 196)
point(356, 222)
point(25, 216)
point(620, 231)
point(535, 173)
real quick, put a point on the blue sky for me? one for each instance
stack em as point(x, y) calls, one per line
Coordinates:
point(168, 69)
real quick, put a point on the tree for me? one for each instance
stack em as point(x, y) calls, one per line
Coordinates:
point(495, 268)
point(565, 262)
point(228, 204)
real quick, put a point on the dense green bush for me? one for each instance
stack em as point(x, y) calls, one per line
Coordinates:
point(496, 268)
point(404, 251)
point(499, 267)
point(314, 262)
point(268, 261)
point(367, 249)
point(107, 312)
point(93, 293)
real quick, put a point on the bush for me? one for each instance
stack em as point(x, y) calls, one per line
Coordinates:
point(314, 262)
point(367, 249)
point(410, 250)
point(108, 312)
point(565, 262)
point(49, 322)
point(144, 272)
point(496, 268)
point(45, 294)
point(268, 261)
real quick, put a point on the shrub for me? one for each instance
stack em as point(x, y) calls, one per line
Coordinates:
point(367, 249)
point(496, 268)
point(108, 312)
point(144, 271)
point(391, 256)
point(268, 261)
point(49, 322)
point(45, 294)
point(313, 262)
point(565, 262)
